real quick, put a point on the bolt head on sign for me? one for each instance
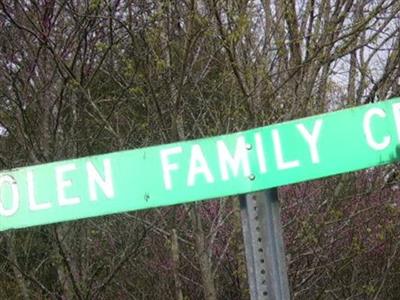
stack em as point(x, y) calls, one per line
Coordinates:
point(237, 163)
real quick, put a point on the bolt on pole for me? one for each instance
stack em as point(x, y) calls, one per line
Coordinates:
point(263, 239)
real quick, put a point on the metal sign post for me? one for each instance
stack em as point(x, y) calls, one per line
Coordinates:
point(265, 255)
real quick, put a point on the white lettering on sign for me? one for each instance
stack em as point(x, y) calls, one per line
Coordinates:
point(226, 160)
point(94, 178)
point(167, 166)
point(9, 180)
point(63, 183)
point(368, 132)
point(198, 165)
point(312, 139)
point(33, 204)
point(396, 115)
point(280, 162)
point(235, 161)
point(260, 153)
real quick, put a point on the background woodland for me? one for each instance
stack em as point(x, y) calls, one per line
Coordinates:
point(80, 77)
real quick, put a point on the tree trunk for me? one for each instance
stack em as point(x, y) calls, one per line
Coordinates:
point(210, 292)
point(15, 267)
point(175, 259)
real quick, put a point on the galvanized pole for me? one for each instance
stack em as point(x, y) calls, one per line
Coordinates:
point(265, 255)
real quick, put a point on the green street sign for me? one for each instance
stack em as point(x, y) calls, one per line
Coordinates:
point(237, 163)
